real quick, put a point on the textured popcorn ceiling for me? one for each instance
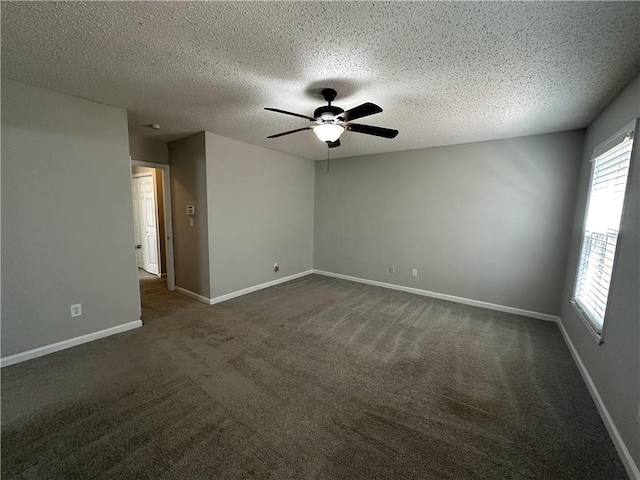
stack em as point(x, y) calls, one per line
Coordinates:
point(444, 73)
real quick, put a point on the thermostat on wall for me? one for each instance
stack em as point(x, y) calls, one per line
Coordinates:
point(191, 209)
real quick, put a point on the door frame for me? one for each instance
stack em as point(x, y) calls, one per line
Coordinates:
point(168, 222)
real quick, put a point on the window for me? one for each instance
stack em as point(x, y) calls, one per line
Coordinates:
point(609, 174)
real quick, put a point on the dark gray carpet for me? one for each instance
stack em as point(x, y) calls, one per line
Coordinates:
point(313, 379)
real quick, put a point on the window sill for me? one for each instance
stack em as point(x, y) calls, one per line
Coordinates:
point(594, 333)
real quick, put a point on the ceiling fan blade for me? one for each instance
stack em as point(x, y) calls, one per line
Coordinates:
point(290, 113)
point(289, 132)
point(370, 130)
point(360, 111)
point(334, 144)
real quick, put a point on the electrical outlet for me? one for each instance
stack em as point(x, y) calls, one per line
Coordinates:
point(414, 272)
point(76, 310)
point(392, 269)
point(276, 268)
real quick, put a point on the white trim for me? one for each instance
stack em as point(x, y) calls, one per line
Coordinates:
point(614, 139)
point(597, 336)
point(191, 294)
point(244, 291)
point(623, 451)
point(63, 345)
point(444, 296)
point(142, 163)
point(168, 218)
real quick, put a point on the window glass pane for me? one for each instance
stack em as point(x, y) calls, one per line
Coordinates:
point(600, 234)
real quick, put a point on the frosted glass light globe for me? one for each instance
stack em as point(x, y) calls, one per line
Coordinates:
point(328, 132)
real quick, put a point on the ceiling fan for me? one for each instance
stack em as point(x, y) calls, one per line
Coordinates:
point(333, 121)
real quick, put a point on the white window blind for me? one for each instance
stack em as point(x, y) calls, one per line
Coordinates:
point(609, 174)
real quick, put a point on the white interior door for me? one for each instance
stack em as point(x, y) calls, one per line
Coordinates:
point(136, 220)
point(144, 207)
point(148, 226)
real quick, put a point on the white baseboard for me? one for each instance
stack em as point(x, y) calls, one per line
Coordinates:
point(244, 291)
point(63, 345)
point(444, 296)
point(189, 293)
point(623, 451)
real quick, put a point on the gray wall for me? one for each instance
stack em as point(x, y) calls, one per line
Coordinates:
point(187, 158)
point(147, 150)
point(614, 365)
point(67, 218)
point(260, 213)
point(488, 221)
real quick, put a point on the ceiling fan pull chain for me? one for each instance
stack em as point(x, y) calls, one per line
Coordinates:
point(328, 158)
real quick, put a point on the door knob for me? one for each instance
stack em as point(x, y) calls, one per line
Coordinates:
point(138, 247)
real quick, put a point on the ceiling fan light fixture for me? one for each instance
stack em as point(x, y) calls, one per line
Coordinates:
point(328, 132)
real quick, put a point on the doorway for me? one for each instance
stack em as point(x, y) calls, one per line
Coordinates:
point(151, 194)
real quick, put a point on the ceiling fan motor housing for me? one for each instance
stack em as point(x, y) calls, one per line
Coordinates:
point(327, 113)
